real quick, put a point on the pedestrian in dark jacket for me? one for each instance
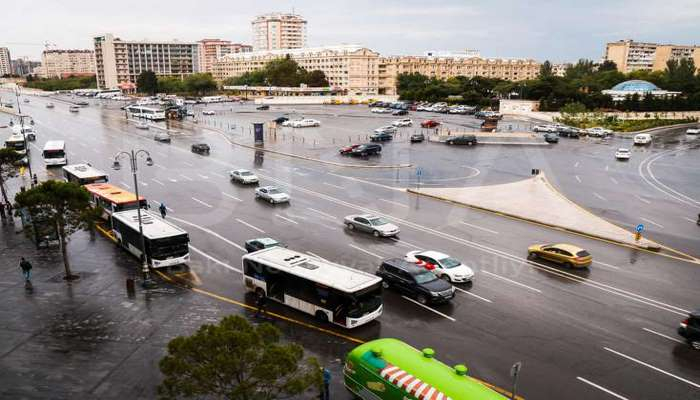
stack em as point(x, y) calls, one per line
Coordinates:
point(163, 210)
point(26, 269)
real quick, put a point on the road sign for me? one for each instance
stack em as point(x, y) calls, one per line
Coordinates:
point(640, 228)
point(515, 369)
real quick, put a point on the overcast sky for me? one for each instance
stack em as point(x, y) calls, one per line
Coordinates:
point(563, 30)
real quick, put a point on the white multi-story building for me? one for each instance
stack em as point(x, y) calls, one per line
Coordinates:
point(118, 63)
point(5, 62)
point(211, 50)
point(279, 31)
point(630, 56)
point(61, 63)
point(351, 69)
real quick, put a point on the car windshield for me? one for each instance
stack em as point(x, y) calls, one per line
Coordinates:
point(274, 191)
point(378, 221)
point(425, 277)
point(450, 262)
point(245, 173)
point(583, 253)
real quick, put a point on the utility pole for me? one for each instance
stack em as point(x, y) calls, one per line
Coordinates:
point(24, 136)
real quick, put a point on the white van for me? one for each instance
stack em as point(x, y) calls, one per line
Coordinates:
point(642, 138)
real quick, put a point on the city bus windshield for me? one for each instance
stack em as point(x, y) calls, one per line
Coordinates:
point(174, 246)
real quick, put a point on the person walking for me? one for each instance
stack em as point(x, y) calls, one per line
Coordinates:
point(163, 210)
point(26, 267)
point(325, 389)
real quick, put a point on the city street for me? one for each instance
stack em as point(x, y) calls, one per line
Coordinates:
point(605, 332)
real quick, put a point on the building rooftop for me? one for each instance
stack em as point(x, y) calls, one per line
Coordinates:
point(343, 48)
point(635, 85)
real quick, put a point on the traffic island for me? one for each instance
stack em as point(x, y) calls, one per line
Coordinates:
point(536, 200)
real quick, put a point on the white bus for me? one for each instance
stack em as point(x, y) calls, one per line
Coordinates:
point(16, 143)
point(213, 99)
point(84, 174)
point(328, 291)
point(166, 244)
point(54, 153)
point(152, 113)
point(108, 93)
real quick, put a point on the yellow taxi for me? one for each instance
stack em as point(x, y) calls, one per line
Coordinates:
point(567, 255)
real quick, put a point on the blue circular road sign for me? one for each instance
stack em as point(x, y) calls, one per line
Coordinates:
point(640, 228)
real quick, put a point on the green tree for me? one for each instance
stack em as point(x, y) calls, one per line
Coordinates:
point(680, 75)
point(546, 70)
point(147, 82)
point(252, 78)
point(200, 84)
point(316, 78)
point(171, 84)
point(70, 83)
point(236, 360)
point(8, 169)
point(63, 206)
point(607, 65)
point(284, 72)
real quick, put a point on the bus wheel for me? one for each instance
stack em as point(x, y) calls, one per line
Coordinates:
point(321, 316)
point(260, 292)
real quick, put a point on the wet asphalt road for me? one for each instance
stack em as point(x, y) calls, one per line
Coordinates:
point(612, 326)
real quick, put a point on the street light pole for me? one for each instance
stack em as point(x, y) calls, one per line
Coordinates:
point(24, 136)
point(133, 158)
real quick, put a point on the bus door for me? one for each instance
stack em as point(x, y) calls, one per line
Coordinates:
point(275, 283)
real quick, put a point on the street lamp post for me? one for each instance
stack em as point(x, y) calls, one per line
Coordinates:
point(133, 158)
point(24, 136)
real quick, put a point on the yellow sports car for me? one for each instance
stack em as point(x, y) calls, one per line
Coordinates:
point(565, 254)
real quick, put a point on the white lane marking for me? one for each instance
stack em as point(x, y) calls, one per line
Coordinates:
point(606, 264)
point(651, 222)
point(657, 369)
point(159, 166)
point(405, 244)
point(201, 202)
point(473, 295)
point(209, 231)
point(607, 167)
point(81, 144)
point(332, 185)
point(188, 164)
point(511, 281)
point(576, 164)
point(321, 213)
point(663, 336)
point(263, 170)
point(250, 226)
point(158, 182)
point(202, 176)
point(232, 268)
point(577, 178)
point(613, 180)
point(689, 220)
point(367, 182)
point(217, 175)
point(480, 227)
point(287, 219)
point(166, 207)
point(608, 391)
point(126, 185)
point(186, 177)
point(230, 196)
point(394, 203)
point(172, 180)
point(430, 309)
point(143, 183)
point(599, 196)
point(365, 251)
point(642, 199)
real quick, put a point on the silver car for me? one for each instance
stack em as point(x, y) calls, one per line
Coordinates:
point(273, 194)
point(243, 176)
point(373, 224)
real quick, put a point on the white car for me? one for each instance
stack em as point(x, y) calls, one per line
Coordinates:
point(304, 123)
point(598, 132)
point(243, 176)
point(545, 129)
point(273, 194)
point(380, 110)
point(208, 112)
point(622, 154)
point(444, 266)
point(642, 138)
point(693, 131)
point(403, 122)
point(386, 129)
point(373, 224)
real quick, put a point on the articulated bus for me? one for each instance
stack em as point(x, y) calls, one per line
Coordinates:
point(389, 369)
point(54, 153)
point(330, 292)
point(113, 199)
point(84, 174)
point(165, 244)
point(147, 112)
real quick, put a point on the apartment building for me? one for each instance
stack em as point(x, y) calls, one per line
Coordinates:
point(276, 31)
point(62, 63)
point(119, 62)
point(451, 66)
point(23, 66)
point(350, 69)
point(630, 56)
point(5, 62)
point(211, 50)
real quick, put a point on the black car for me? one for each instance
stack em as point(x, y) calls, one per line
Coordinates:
point(366, 150)
point(201, 148)
point(280, 120)
point(82, 103)
point(569, 132)
point(417, 138)
point(551, 138)
point(261, 243)
point(469, 140)
point(381, 137)
point(400, 112)
point(415, 281)
point(262, 107)
point(690, 329)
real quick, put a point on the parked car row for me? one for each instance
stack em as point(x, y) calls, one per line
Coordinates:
point(568, 131)
point(444, 108)
point(488, 115)
point(361, 150)
point(395, 105)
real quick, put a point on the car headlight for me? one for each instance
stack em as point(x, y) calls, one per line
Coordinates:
point(435, 294)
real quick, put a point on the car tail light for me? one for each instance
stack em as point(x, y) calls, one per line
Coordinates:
point(684, 323)
point(580, 258)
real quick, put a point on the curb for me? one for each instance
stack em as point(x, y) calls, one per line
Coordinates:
point(658, 128)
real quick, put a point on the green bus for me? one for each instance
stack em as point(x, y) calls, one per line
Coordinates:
point(389, 369)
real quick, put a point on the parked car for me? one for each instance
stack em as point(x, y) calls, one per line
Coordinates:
point(569, 132)
point(162, 137)
point(442, 265)
point(208, 112)
point(429, 123)
point(642, 138)
point(400, 112)
point(417, 138)
point(201, 148)
point(304, 123)
point(565, 254)
point(692, 131)
point(348, 149)
point(366, 150)
point(386, 129)
point(469, 140)
point(373, 224)
point(380, 110)
point(403, 122)
point(281, 120)
point(690, 329)
point(381, 137)
point(82, 103)
point(263, 107)
point(622, 154)
point(551, 138)
point(598, 132)
point(262, 243)
point(73, 109)
point(414, 281)
point(545, 129)
point(243, 176)
point(273, 194)
point(49, 105)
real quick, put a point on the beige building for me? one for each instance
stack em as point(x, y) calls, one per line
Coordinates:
point(349, 68)
point(211, 50)
point(448, 67)
point(630, 56)
point(61, 63)
point(5, 62)
point(277, 31)
point(120, 62)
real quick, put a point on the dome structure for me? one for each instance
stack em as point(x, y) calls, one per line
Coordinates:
point(641, 88)
point(635, 85)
